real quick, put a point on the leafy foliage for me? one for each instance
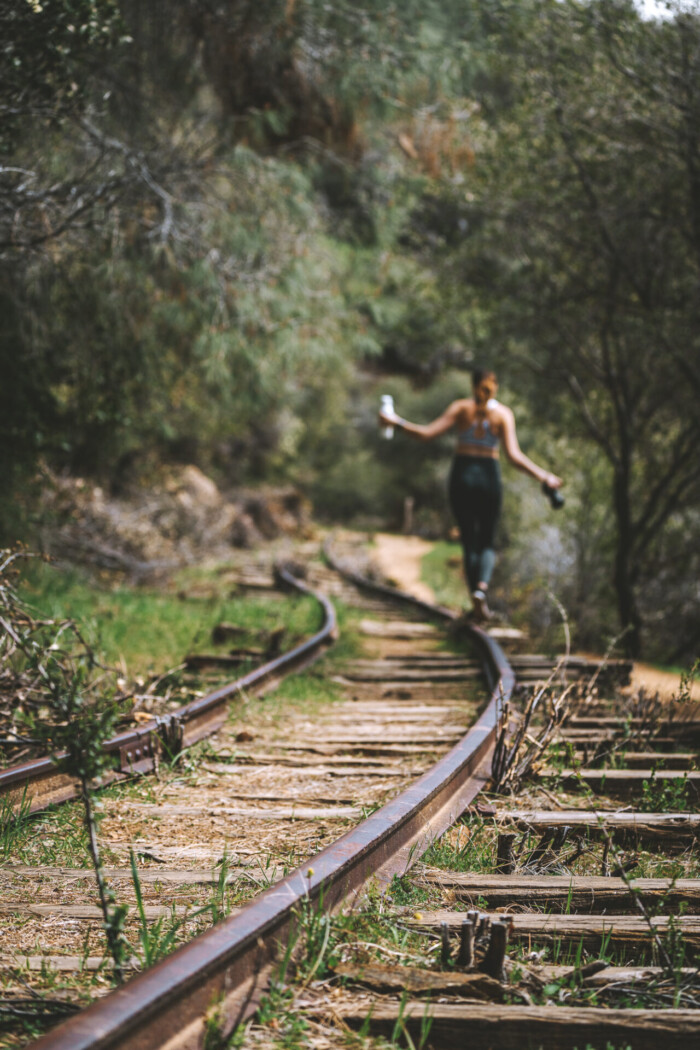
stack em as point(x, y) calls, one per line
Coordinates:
point(224, 228)
point(591, 183)
point(64, 697)
point(48, 51)
point(70, 711)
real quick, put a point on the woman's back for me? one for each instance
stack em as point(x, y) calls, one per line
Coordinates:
point(479, 428)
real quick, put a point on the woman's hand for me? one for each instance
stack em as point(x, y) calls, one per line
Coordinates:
point(552, 481)
point(388, 419)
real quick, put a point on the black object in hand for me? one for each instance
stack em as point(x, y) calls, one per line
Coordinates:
point(554, 496)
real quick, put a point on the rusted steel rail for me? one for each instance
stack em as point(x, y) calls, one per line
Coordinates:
point(217, 978)
point(497, 669)
point(40, 783)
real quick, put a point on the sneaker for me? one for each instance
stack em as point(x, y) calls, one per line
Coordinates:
point(481, 609)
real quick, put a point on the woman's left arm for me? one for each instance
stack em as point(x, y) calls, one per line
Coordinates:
point(516, 455)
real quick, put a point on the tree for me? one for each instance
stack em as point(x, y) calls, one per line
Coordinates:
point(166, 293)
point(591, 210)
point(48, 53)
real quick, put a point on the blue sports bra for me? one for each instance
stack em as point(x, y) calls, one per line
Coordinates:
point(486, 439)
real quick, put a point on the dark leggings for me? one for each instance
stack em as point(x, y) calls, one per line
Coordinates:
point(475, 498)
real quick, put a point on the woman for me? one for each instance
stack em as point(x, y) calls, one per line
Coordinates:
point(475, 479)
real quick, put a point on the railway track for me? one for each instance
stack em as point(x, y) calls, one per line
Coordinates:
point(285, 797)
point(493, 949)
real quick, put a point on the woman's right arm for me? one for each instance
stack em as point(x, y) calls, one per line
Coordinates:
point(425, 431)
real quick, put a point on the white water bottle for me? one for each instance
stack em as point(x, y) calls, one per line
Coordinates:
point(388, 410)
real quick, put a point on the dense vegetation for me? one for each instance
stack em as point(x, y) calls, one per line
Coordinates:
point(226, 226)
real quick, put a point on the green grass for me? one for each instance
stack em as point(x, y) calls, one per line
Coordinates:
point(477, 855)
point(668, 796)
point(693, 672)
point(54, 837)
point(404, 893)
point(151, 630)
point(441, 569)
point(13, 820)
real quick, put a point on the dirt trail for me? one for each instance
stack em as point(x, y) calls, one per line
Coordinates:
point(399, 558)
point(665, 683)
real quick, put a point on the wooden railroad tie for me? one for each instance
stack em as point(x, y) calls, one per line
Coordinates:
point(435, 667)
point(615, 782)
point(90, 912)
point(251, 812)
point(648, 759)
point(672, 828)
point(482, 1026)
point(673, 727)
point(589, 930)
point(582, 893)
point(165, 875)
point(591, 737)
point(399, 629)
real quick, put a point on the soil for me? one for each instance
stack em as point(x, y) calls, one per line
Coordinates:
point(665, 683)
point(399, 558)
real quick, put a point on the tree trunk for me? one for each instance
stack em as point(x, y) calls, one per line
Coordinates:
point(628, 611)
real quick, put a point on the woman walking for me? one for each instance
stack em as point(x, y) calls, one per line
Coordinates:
point(483, 424)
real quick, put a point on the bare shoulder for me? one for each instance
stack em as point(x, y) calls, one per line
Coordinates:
point(503, 413)
point(463, 407)
point(501, 420)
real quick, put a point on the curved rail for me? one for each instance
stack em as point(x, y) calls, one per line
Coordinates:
point(40, 783)
point(217, 977)
point(498, 671)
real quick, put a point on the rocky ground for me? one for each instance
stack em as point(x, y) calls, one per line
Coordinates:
point(182, 519)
